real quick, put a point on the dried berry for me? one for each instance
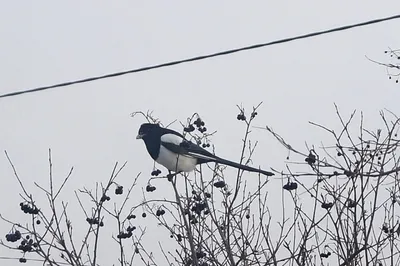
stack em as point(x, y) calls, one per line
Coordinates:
point(131, 228)
point(351, 203)
point(156, 172)
point(241, 116)
point(131, 216)
point(327, 205)
point(199, 122)
point(160, 212)
point(290, 186)
point(200, 254)
point(150, 188)
point(123, 235)
point(385, 229)
point(219, 184)
point(17, 234)
point(119, 190)
point(325, 255)
point(348, 173)
point(197, 197)
point(104, 198)
point(189, 129)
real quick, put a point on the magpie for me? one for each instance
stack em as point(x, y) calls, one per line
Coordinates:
point(170, 149)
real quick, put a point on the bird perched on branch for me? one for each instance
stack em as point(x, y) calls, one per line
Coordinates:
point(170, 149)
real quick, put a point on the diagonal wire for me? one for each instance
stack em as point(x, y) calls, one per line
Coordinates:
point(197, 58)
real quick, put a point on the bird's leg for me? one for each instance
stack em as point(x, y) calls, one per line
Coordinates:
point(171, 175)
point(155, 169)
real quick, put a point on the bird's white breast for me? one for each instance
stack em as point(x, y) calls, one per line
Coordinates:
point(175, 162)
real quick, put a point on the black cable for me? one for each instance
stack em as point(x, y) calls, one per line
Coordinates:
point(199, 57)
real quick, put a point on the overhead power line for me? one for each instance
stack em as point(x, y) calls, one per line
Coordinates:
point(197, 58)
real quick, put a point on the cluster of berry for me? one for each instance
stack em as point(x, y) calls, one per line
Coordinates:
point(198, 207)
point(124, 235)
point(94, 221)
point(242, 117)
point(28, 209)
point(13, 237)
point(27, 245)
point(199, 124)
point(129, 229)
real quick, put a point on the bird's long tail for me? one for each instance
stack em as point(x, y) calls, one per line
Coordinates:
point(243, 167)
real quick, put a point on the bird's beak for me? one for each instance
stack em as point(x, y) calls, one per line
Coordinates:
point(139, 136)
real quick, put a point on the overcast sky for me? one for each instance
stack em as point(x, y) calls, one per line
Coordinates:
point(88, 126)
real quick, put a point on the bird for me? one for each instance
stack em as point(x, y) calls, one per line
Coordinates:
point(170, 149)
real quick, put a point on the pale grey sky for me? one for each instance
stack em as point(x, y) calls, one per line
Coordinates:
point(88, 126)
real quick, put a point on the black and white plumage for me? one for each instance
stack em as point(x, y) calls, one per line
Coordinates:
point(170, 149)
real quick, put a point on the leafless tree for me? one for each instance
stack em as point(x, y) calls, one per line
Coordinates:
point(392, 65)
point(338, 206)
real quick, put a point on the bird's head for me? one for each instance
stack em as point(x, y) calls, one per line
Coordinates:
point(147, 130)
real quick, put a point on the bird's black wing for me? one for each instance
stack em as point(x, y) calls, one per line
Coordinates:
point(176, 143)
